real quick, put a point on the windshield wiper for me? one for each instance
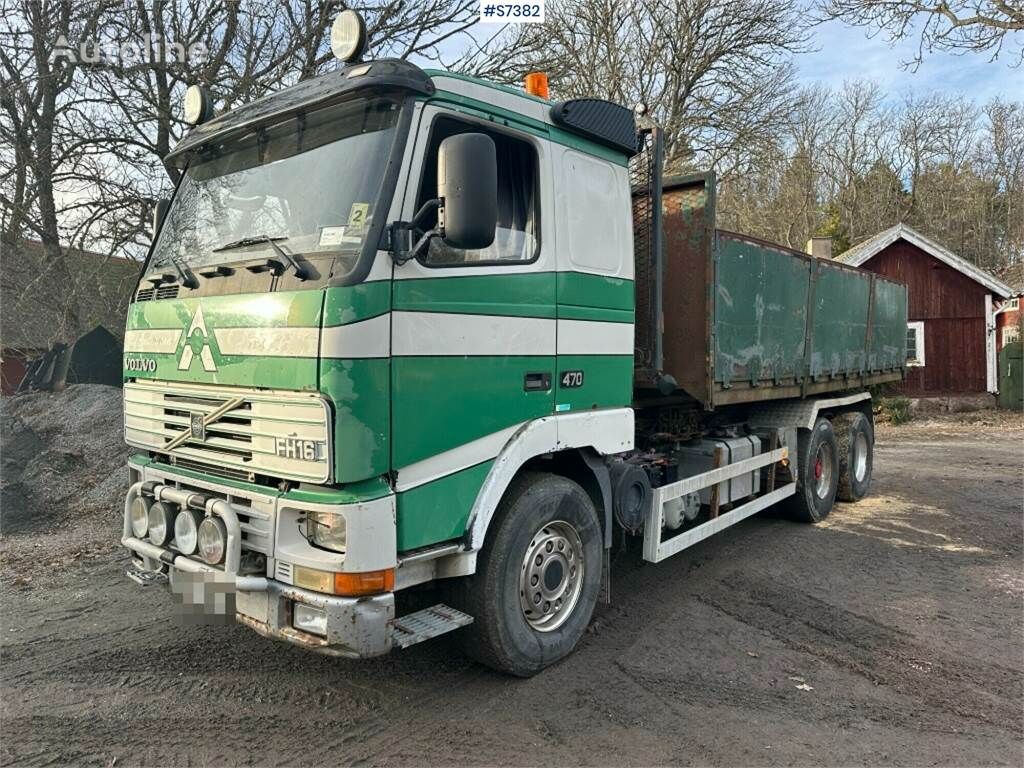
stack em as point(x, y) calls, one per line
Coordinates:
point(300, 271)
point(185, 276)
point(184, 273)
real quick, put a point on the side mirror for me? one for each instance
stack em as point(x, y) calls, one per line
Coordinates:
point(467, 184)
point(159, 211)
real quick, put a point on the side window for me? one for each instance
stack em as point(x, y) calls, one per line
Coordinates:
point(595, 232)
point(517, 237)
point(915, 343)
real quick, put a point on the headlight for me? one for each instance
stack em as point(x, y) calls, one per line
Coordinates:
point(138, 513)
point(327, 530)
point(213, 540)
point(186, 531)
point(160, 516)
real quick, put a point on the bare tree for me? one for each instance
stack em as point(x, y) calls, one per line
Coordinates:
point(852, 163)
point(37, 103)
point(714, 73)
point(940, 25)
point(122, 115)
point(253, 48)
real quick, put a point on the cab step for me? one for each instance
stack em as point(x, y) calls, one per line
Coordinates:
point(426, 624)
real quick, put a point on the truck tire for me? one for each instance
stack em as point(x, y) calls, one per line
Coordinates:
point(817, 473)
point(856, 442)
point(537, 578)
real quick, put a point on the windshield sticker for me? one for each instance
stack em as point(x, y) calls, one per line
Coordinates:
point(331, 235)
point(357, 216)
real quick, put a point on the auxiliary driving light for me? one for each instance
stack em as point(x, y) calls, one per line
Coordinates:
point(186, 531)
point(213, 540)
point(198, 107)
point(160, 516)
point(348, 36)
point(138, 513)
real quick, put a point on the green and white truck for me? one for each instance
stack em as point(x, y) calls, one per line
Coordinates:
point(402, 327)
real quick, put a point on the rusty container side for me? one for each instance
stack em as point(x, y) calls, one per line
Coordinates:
point(688, 220)
point(746, 320)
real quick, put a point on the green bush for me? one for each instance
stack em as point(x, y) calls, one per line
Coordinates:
point(895, 410)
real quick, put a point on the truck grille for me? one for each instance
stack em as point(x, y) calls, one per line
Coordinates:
point(263, 432)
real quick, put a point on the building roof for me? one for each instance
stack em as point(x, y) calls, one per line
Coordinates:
point(34, 296)
point(862, 252)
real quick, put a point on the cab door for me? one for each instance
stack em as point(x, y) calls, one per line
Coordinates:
point(473, 334)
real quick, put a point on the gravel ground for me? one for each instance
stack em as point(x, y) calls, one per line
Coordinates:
point(891, 634)
point(63, 458)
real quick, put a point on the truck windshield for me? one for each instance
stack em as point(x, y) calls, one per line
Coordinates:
point(310, 184)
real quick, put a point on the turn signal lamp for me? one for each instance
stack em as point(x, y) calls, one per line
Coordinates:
point(343, 583)
point(537, 84)
point(366, 583)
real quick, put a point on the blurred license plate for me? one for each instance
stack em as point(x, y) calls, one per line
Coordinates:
point(255, 605)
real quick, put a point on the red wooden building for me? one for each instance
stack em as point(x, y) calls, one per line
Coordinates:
point(1008, 314)
point(951, 340)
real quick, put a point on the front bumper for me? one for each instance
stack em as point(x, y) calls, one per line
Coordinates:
point(354, 627)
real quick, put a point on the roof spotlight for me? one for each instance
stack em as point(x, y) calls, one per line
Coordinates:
point(348, 36)
point(198, 105)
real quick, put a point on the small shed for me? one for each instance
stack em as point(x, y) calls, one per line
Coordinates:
point(951, 338)
point(38, 308)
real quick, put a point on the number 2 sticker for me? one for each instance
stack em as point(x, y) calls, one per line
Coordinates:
point(357, 216)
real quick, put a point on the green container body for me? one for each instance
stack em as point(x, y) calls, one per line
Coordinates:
point(746, 320)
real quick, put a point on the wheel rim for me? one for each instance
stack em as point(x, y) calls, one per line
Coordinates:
point(823, 470)
point(860, 460)
point(551, 578)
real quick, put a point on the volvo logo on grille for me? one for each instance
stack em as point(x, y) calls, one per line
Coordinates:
point(197, 426)
point(141, 364)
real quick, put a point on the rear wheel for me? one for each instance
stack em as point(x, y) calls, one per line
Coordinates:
point(855, 439)
point(817, 474)
point(537, 578)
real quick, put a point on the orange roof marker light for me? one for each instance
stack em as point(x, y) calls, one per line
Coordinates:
point(537, 84)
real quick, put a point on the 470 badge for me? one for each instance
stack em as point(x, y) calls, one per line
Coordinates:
point(140, 364)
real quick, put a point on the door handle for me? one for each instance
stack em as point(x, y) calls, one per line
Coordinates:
point(537, 382)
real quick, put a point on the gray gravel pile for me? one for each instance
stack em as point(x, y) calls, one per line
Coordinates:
point(63, 458)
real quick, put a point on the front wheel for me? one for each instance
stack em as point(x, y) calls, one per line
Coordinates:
point(537, 578)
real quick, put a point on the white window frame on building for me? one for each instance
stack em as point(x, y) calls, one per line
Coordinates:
point(1011, 333)
point(917, 326)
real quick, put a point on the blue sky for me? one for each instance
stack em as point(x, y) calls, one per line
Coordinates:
point(849, 53)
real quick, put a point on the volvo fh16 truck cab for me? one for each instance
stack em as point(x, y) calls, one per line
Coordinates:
point(401, 327)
